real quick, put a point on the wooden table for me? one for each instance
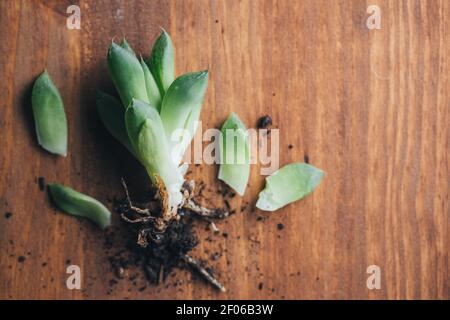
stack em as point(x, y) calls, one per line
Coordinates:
point(370, 107)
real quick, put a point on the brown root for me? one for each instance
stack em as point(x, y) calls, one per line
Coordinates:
point(164, 236)
point(130, 204)
point(191, 205)
point(194, 264)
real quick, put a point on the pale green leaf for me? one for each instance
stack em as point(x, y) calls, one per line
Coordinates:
point(78, 204)
point(112, 115)
point(49, 115)
point(234, 154)
point(290, 183)
point(153, 93)
point(127, 74)
point(161, 62)
point(182, 104)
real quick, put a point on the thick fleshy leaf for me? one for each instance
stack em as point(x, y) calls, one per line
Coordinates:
point(135, 116)
point(161, 62)
point(182, 104)
point(146, 132)
point(290, 183)
point(49, 116)
point(112, 114)
point(154, 96)
point(155, 156)
point(234, 154)
point(124, 44)
point(78, 204)
point(127, 74)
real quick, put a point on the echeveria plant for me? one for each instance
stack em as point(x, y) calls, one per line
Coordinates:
point(157, 116)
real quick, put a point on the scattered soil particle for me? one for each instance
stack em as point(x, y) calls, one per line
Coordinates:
point(21, 259)
point(280, 226)
point(41, 183)
point(260, 286)
point(225, 235)
point(306, 158)
point(120, 272)
point(44, 264)
point(215, 256)
point(227, 205)
point(8, 215)
point(264, 122)
point(290, 146)
point(68, 261)
point(112, 282)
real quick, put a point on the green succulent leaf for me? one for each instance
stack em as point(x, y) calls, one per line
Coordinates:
point(49, 116)
point(112, 115)
point(157, 159)
point(146, 132)
point(290, 183)
point(182, 104)
point(127, 74)
point(234, 154)
point(161, 62)
point(78, 204)
point(153, 93)
point(124, 44)
point(135, 116)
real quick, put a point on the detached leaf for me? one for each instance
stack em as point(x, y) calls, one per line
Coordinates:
point(111, 113)
point(161, 62)
point(127, 74)
point(290, 183)
point(49, 115)
point(78, 204)
point(153, 94)
point(182, 104)
point(234, 154)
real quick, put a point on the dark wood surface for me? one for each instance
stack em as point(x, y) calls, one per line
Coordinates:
point(370, 107)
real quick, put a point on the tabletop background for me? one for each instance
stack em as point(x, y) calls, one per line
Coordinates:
point(369, 107)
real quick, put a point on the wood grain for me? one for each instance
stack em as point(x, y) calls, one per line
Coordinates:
point(370, 107)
